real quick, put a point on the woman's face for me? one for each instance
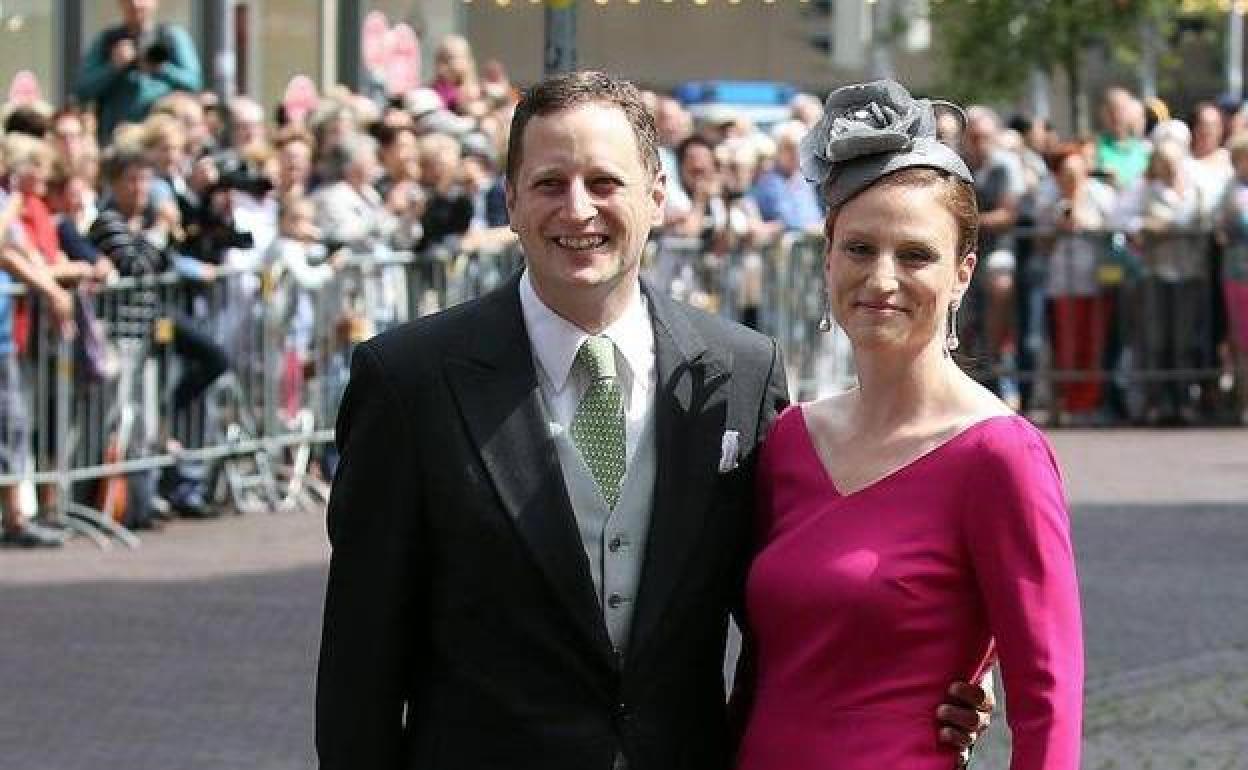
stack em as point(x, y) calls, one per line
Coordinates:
point(74, 197)
point(892, 268)
point(451, 62)
point(32, 178)
point(167, 153)
point(1072, 172)
point(1165, 165)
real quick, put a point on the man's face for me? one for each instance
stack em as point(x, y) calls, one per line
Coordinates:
point(787, 156)
point(980, 139)
point(132, 188)
point(400, 156)
point(248, 129)
point(672, 122)
point(583, 204)
point(294, 164)
point(69, 137)
point(698, 171)
point(1207, 129)
point(137, 13)
point(1116, 114)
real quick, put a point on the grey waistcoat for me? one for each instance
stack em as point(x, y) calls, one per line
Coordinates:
point(615, 541)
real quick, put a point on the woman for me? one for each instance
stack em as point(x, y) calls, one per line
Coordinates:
point(1232, 231)
point(1170, 229)
point(1077, 211)
point(455, 76)
point(912, 530)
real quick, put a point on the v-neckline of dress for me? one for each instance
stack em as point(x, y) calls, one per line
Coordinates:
point(916, 461)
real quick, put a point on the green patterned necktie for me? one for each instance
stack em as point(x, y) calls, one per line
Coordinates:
point(598, 427)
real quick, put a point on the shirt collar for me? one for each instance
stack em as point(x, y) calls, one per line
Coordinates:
point(556, 340)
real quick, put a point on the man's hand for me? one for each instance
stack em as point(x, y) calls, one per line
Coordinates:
point(965, 714)
point(123, 54)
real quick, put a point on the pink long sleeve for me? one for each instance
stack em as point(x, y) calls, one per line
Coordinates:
point(1017, 527)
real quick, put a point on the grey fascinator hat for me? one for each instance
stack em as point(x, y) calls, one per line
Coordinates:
point(869, 130)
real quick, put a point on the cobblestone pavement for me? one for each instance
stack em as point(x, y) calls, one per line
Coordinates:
point(197, 651)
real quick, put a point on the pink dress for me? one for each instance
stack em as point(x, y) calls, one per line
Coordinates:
point(865, 607)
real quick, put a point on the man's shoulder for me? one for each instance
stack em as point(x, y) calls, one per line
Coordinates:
point(722, 335)
point(419, 346)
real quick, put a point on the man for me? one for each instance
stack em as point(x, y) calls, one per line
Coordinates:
point(135, 235)
point(999, 189)
point(1120, 152)
point(510, 465)
point(132, 65)
point(350, 211)
point(782, 193)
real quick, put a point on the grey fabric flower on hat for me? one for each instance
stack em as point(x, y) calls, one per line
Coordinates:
point(868, 130)
point(872, 118)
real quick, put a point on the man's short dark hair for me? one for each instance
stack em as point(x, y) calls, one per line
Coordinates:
point(121, 159)
point(29, 121)
point(562, 92)
point(386, 135)
point(688, 143)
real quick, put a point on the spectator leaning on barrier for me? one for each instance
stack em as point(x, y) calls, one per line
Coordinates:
point(455, 76)
point(72, 200)
point(190, 113)
point(1210, 162)
point(294, 163)
point(483, 182)
point(448, 206)
point(783, 193)
point(1035, 143)
point(1075, 215)
point(1175, 303)
point(999, 188)
point(707, 218)
point(1120, 152)
point(300, 265)
point(349, 210)
point(1232, 227)
point(132, 65)
point(16, 265)
point(675, 125)
point(739, 163)
point(28, 162)
point(77, 148)
point(164, 142)
point(137, 237)
point(399, 155)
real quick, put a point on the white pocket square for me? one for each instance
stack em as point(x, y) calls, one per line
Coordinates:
point(728, 451)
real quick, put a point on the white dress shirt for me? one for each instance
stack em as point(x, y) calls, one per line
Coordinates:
point(555, 342)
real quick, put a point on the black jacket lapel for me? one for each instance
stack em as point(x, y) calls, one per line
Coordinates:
point(495, 385)
point(690, 411)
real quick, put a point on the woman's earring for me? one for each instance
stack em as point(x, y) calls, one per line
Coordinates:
point(951, 333)
point(825, 321)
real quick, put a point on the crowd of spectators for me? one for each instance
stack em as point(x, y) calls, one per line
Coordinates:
point(148, 172)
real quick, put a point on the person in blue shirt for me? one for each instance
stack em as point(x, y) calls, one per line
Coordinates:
point(132, 65)
point(782, 193)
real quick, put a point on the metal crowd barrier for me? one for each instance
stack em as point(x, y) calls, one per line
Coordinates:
point(238, 377)
point(243, 374)
point(1100, 324)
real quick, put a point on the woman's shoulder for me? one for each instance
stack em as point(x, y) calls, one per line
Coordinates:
point(1009, 449)
point(823, 416)
point(790, 419)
